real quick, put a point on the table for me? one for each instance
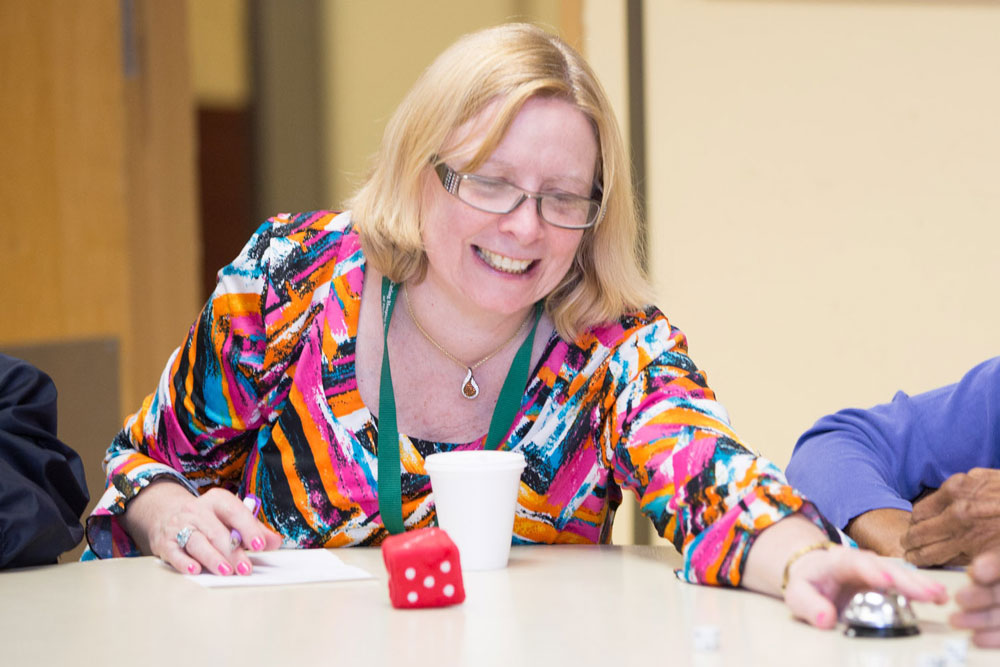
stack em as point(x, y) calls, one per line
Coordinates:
point(553, 605)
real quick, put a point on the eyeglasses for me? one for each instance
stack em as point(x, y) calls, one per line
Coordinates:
point(494, 195)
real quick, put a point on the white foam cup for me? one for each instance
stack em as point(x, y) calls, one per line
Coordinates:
point(475, 493)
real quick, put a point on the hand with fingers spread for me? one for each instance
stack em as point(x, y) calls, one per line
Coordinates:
point(957, 522)
point(979, 602)
point(817, 578)
point(194, 533)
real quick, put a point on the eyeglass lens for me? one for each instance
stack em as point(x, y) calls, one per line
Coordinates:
point(496, 196)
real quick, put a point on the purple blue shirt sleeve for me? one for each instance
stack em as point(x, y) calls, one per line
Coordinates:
point(856, 460)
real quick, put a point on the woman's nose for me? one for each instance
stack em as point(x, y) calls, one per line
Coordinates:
point(524, 222)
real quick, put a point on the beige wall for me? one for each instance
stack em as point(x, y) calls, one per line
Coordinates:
point(605, 48)
point(219, 55)
point(823, 198)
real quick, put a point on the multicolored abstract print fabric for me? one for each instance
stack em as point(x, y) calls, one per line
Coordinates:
point(262, 398)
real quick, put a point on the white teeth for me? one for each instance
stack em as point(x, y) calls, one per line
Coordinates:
point(502, 263)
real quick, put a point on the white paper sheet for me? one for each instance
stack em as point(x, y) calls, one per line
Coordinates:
point(287, 566)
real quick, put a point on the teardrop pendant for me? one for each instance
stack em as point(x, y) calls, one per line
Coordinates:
point(469, 387)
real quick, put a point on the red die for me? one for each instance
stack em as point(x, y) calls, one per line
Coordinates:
point(424, 569)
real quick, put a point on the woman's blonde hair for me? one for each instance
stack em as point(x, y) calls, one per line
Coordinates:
point(508, 64)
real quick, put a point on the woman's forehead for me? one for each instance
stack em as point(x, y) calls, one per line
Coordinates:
point(466, 140)
point(466, 143)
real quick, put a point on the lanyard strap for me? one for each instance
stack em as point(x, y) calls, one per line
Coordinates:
point(390, 500)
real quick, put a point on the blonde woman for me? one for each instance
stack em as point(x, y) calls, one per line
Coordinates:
point(482, 292)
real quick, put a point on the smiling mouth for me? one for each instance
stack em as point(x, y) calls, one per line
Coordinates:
point(504, 264)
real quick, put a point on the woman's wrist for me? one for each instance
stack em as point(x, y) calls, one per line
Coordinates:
point(148, 507)
point(821, 545)
point(774, 547)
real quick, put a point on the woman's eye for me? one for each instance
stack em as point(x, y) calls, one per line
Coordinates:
point(562, 203)
point(490, 185)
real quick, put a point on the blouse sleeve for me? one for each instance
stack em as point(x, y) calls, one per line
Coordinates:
point(894, 452)
point(197, 428)
point(672, 444)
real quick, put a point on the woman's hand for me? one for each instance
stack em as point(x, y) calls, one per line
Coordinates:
point(822, 582)
point(979, 602)
point(164, 508)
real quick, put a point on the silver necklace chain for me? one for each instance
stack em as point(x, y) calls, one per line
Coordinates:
point(470, 389)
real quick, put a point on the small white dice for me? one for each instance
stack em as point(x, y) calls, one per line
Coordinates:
point(931, 660)
point(956, 651)
point(706, 637)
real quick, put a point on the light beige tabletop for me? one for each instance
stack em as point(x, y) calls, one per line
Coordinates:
point(553, 605)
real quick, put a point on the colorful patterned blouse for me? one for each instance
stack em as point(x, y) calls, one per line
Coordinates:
point(262, 398)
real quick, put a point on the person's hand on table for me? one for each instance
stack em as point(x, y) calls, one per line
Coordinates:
point(956, 523)
point(979, 602)
point(823, 577)
point(164, 509)
point(822, 582)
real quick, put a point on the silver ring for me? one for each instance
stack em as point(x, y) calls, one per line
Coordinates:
point(184, 534)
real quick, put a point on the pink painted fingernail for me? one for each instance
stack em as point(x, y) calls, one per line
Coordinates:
point(192, 568)
point(257, 544)
point(243, 568)
point(888, 579)
point(225, 570)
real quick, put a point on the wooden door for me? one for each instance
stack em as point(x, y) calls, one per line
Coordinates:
point(98, 228)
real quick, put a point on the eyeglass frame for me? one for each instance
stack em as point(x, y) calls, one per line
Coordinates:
point(451, 178)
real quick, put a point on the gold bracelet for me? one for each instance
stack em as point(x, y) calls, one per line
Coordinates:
point(818, 546)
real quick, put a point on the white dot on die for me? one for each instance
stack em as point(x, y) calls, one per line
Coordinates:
point(449, 590)
point(411, 597)
point(446, 566)
point(428, 582)
point(410, 573)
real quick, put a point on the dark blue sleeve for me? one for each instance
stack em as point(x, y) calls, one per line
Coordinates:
point(858, 460)
point(42, 486)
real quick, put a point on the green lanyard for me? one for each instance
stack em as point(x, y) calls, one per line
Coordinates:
point(390, 500)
